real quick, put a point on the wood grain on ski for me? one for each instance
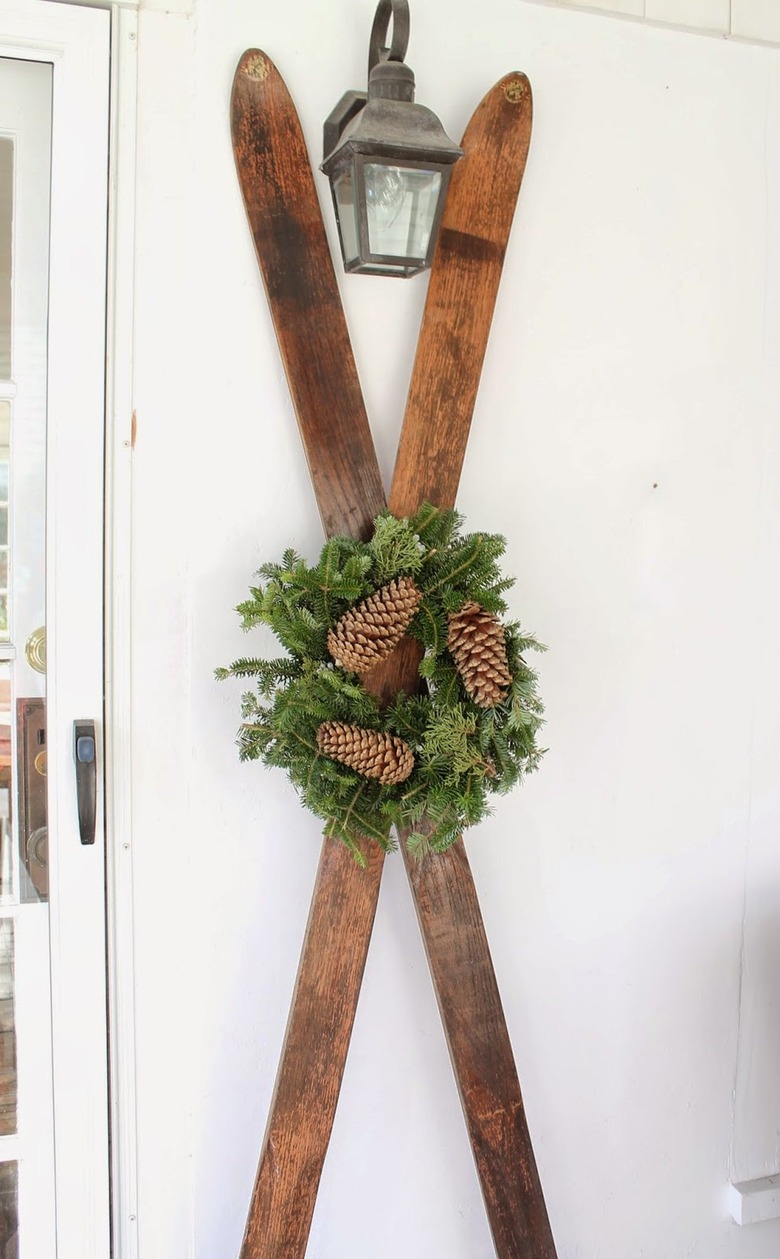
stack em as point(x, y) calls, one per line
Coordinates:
point(461, 297)
point(456, 323)
point(303, 294)
point(315, 1051)
point(303, 297)
point(481, 1052)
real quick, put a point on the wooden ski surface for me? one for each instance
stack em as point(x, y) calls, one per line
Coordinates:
point(325, 1000)
point(456, 322)
point(481, 1053)
point(461, 298)
point(303, 294)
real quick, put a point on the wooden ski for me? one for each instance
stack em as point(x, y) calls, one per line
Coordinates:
point(297, 270)
point(455, 327)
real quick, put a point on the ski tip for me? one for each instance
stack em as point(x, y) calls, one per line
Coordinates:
point(506, 110)
point(258, 88)
point(256, 66)
point(515, 88)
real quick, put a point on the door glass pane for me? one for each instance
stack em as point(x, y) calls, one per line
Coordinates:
point(5, 455)
point(9, 1210)
point(6, 246)
point(6, 788)
point(8, 1090)
point(25, 995)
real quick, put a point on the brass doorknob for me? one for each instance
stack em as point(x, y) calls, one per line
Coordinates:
point(35, 650)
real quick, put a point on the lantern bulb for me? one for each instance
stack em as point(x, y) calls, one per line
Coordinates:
point(385, 191)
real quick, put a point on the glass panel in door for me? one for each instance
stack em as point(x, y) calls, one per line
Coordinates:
point(26, 1116)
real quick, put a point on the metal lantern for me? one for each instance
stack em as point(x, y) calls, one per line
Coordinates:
point(388, 160)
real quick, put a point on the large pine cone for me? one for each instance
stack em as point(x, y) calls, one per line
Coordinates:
point(370, 752)
point(372, 629)
point(477, 643)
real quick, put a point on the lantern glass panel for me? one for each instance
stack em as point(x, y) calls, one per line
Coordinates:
point(401, 206)
point(346, 213)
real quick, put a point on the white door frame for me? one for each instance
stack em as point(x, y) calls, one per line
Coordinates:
point(76, 43)
point(120, 438)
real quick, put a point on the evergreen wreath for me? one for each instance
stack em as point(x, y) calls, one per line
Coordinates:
point(439, 755)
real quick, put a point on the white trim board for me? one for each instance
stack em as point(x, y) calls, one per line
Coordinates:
point(184, 8)
point(118, 656)
point(746, 21)
point(754, 1201)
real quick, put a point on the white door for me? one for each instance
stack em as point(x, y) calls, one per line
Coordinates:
point(54, 1162)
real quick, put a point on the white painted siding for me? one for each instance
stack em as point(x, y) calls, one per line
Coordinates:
point(755, 20)
point(625, 441)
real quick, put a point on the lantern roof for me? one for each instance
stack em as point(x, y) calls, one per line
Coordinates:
point(386, 128)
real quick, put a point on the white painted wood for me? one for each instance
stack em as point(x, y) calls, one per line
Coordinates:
point(754, 1201)
point(756, 19)
point(76, 367)
point(628, 399)
point(756, 1141)
point(113, 5)
point(629, 8)
point(709, 15)
point(185, 8)
point(119, 455)
point(182, 7)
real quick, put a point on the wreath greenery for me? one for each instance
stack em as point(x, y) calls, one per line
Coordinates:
point(464, 753)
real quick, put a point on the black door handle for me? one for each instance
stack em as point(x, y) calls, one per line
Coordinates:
point(85, 756)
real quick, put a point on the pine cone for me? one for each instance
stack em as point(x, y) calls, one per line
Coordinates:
point(372, 629)
point(370, 752)
point(477, 643)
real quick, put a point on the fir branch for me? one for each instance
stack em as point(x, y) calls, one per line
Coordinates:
point(395, 548)
point(251, 611)
point(244, 668)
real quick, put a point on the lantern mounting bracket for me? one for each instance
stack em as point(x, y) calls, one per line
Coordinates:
point(340, 116)
point(377, 50)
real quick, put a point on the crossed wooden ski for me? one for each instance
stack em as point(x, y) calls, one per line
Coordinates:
point(303, 295)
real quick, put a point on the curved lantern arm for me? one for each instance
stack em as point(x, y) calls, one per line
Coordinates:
point(377, 49)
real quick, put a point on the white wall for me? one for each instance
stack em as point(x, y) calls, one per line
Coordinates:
point(624, 441)
point(739, 19)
